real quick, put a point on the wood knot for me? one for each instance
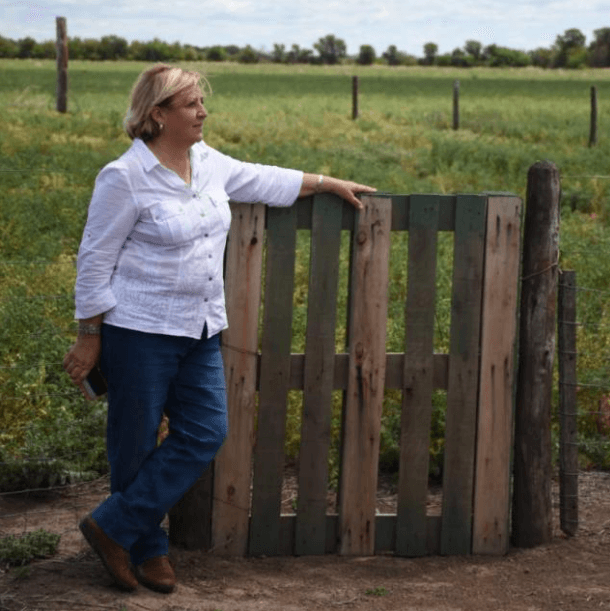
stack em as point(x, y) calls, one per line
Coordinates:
point(361, 237)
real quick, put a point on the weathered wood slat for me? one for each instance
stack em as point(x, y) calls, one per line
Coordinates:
point(496, 394)
point(393, 374)
point(274, 383)
point(418, 380)
point(400, 212)
point(385, 533)
point(460, 431)
point(232, 472)
point(310, 536)
point(364, 397)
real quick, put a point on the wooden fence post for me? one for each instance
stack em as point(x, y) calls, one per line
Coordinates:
point(456, 105)
point(532, 512)
point(568, 443)
point(593, 130)
point(62, 65)
point(354, 98)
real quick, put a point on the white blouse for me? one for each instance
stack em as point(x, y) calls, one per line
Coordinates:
point(151, 257)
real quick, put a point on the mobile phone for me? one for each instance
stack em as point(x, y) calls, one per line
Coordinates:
point(94, 384)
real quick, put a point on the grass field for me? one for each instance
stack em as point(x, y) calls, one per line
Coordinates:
point(299, 117)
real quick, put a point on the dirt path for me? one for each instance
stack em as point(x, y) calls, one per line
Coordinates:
point(568, 574)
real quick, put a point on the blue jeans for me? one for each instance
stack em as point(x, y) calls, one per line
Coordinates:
point(148, 375)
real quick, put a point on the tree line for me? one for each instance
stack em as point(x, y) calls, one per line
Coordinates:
point(570, 50)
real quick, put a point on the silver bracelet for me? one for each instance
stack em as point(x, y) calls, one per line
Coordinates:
point(89, 329)
point(319, 185)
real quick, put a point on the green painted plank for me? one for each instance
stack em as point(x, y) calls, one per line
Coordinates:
point(460, 431)
point(310, 536)
point(400, 211)
point(274, 382)
point(418, 377)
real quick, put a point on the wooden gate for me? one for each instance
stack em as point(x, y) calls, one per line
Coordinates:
point(235, 508)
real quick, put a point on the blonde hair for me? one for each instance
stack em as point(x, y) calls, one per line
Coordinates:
point(156, 87)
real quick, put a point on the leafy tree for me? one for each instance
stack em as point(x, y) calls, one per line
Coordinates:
point(430, 51)
point(8, 47)
point(394, 57)
point(460, 59)
point(391, 55)
point(474, 48)
point(367, 55)
point(577, 58)
point(600, 48)
point(330, 49)
point(297, 55)
point(541, 57)
point(572, 39)
point(232, 51)
point(216, 54)
point(279, 53)
point(191, 54)
point(497, 56)
point(45, 50)
point(113, 47)
point(248, 56)
point(25, 47)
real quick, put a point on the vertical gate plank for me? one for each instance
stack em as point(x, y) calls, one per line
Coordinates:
point(274, 382)
point(458, 472)
point(498, 336)
point(232, 473)
point(310, 536)
point(418, 377)
point(364, 397)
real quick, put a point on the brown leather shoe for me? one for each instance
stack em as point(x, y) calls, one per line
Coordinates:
point(157, 574)
point(113, 556)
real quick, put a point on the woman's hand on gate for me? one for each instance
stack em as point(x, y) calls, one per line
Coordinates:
point(345, 189)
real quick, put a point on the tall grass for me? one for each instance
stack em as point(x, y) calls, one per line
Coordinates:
point(294, 117)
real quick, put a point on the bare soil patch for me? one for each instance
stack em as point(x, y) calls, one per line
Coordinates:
point(571, 574)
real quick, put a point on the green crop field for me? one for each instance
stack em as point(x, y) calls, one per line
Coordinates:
point(294, 116)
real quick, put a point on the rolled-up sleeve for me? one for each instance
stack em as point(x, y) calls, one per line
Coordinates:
point(254, 182)
point(113, 213)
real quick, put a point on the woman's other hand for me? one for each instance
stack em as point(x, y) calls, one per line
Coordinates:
point(85, 353)
point(82, 357)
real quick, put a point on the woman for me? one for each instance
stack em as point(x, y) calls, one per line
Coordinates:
point(150, 305)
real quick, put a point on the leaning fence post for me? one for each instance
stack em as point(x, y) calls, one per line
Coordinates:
point(456, 105)
point(568, 442)
point(532, 511)
point(593, 130)
point(62, 65)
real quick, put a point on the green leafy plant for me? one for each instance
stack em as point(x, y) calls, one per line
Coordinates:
point(378, 591)
point(17, 551)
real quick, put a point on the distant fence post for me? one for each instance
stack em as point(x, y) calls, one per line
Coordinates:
point(62, 65)
point(568, 442)
point(456, 105)
point(532, 511)
point(593, 130)
point(354, 98)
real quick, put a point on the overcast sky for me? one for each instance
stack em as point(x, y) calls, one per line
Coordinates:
point(408, 24)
